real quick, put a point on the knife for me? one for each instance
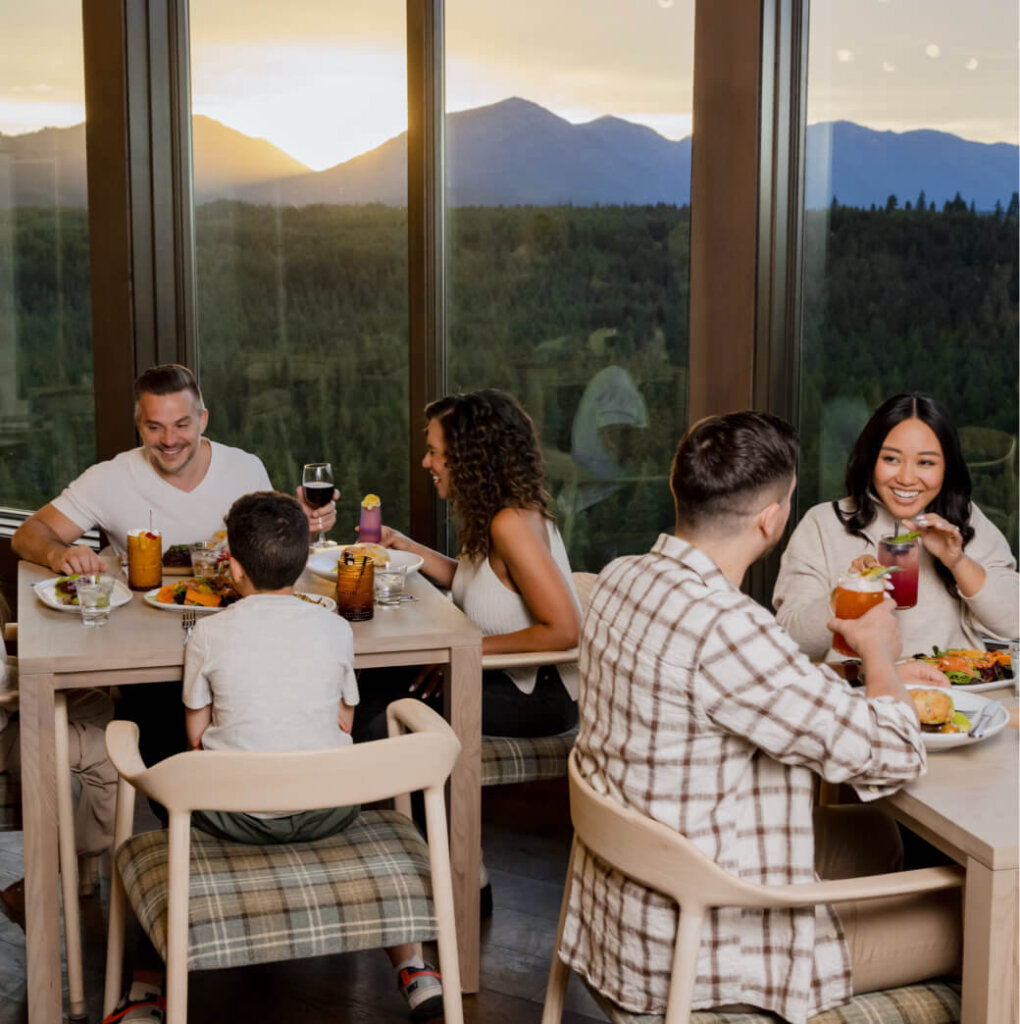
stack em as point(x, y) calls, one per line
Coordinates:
point(977, 730)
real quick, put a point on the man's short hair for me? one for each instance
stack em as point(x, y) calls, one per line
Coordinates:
point(167, 379)
point(268, 534)
point(723, 463)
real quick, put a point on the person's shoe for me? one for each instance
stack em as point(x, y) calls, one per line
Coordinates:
point(144, 1004)
point(12, 902)
point(423, 990)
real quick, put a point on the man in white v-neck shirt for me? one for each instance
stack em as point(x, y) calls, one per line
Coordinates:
point(178, 481)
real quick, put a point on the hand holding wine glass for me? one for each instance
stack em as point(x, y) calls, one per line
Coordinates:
point(317, 490)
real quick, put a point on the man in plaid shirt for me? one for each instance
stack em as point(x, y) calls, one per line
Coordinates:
point(699, 711)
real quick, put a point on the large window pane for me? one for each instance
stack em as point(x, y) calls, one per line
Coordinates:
point(910, 270)
point(46, 403)
point(568, 189)
point(301, 239)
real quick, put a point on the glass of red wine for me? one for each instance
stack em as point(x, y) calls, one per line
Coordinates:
point(317, 481)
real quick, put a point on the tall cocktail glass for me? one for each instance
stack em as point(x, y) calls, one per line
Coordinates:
point(370, 525)
point(145, 559)
point(904, 553)
point(853, 596)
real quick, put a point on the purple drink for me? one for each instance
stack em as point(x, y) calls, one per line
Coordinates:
point(904, 553)
point(370, 526)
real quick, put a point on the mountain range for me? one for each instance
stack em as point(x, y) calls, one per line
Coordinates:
point(515, 152)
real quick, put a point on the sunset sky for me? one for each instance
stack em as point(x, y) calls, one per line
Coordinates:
point(324, 79)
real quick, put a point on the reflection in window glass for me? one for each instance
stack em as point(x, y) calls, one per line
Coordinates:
point(47, 432)
point(301, 239)
point(568, 190)
point(910, 269)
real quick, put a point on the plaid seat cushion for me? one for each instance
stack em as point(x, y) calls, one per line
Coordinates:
point(10, 802)
point(368, 886)
point(930, 1002)
point(507, 759)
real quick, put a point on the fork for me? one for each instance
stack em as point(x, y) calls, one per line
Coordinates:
point(188, 623)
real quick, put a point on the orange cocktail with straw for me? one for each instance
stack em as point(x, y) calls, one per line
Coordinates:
point(145, 559)
point(855, 594)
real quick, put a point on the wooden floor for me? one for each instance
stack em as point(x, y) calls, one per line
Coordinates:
point(525, 844)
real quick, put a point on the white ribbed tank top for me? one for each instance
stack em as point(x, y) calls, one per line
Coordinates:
point(494, 608)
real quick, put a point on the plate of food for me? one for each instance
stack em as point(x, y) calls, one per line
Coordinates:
point(948, 714)
point(972, 670)
point(323, 563)
point(60, 595)
point(320, 599)
point(202, 593)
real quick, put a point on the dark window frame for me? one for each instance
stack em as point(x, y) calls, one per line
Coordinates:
point(750, 66)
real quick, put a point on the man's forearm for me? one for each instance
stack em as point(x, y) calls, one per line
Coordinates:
point(881, 678)
point(36, 542)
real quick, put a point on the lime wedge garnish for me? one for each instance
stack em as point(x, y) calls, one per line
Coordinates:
point(906, 538)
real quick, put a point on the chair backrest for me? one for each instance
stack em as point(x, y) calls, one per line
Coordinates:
point(291, 781)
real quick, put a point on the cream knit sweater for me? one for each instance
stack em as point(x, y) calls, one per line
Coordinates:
point(821, 549)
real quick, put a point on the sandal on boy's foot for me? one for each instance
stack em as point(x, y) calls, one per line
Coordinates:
point(12, 903)
point(423, 990)
point(144, 1004)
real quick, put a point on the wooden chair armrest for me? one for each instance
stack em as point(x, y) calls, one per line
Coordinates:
point(122, 749)
point(8, 698)
point(10, 632)
point(866, 887)
point(410, 715)
point(529, 659)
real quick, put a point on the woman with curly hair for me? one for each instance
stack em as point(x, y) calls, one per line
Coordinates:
point(905, 473)
point(512, 577)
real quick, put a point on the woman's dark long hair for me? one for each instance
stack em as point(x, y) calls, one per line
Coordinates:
point(494, 460)
point(953, 500)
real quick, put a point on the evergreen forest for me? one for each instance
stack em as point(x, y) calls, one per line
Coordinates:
point(303, 344)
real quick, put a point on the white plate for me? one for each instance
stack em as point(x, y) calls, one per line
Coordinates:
point(323, 563)
point(999, 684)
point(970, 704)
point(320, 599)
point(150, 599)
point(44, 591)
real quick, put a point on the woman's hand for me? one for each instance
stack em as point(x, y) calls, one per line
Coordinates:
point(941, 538)
point(920, 673)
point(390, 538)
point(428, 682)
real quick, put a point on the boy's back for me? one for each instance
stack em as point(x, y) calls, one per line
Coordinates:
point(275, 669)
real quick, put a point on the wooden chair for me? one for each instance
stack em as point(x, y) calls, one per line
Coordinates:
point(662, 859)
point(378, 883)
point(510, 759)
point(71, 868)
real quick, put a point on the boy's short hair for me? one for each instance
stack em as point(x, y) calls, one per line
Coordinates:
point(167, 379)
point(268, 534)
point(723, 462)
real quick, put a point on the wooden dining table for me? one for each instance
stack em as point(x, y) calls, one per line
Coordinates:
point(966, 805)
point(142, 644)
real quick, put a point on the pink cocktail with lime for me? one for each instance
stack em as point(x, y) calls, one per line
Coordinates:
point(904, 555)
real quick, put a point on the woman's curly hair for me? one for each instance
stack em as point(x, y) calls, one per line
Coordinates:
point(494, 460)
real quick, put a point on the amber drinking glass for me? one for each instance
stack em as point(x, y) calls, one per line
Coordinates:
point(355, 588)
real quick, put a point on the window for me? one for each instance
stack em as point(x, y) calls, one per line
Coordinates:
point(568, 142)
point(300, 192)
point(46, 397)
point(910, 260)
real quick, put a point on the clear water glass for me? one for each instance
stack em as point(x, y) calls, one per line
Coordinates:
point(389, 584)
point(94, 593)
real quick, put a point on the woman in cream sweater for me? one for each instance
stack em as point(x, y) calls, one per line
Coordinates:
point(906, 472)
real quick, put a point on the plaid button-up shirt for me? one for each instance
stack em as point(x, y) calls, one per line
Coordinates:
point(699, 711)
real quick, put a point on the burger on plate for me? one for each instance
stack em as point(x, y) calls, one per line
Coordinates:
point(936, 711)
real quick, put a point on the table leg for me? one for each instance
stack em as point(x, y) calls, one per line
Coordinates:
point(464, 711)
point(989, 946)
point(39, 814)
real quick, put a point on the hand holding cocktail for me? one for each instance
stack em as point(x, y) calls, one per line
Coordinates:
point(855, 594)
point(872, 631)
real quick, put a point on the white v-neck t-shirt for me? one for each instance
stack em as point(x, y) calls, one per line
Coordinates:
point(119, 495)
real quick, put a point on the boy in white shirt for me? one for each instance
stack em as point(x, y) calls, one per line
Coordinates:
point(273, 672)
